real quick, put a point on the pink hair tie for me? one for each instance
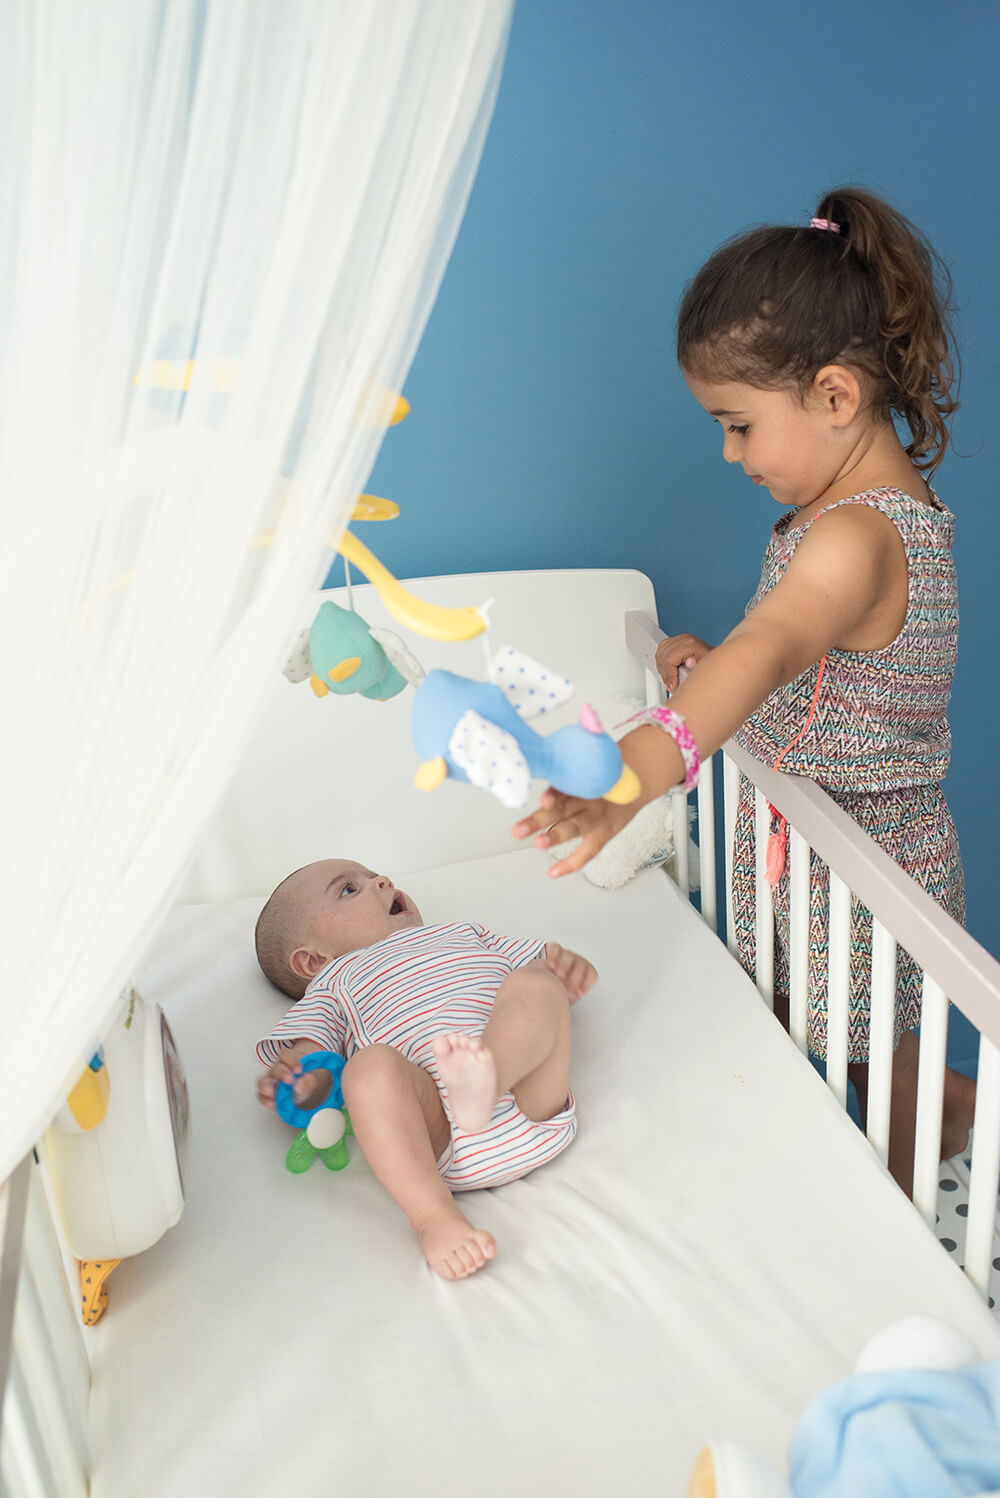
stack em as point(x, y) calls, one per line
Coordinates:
point(824, 223)
point(673, 724)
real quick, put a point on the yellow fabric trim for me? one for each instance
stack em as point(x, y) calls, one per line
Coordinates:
point(93, 1289)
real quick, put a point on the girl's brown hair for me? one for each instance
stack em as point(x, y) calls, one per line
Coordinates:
point(775, 305)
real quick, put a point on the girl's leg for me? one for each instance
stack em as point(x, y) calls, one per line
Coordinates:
point(956, 1118)
point(397, 1117)
point(525, 1049)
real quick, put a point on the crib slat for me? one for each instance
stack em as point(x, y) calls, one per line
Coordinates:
point(799, 857)
point(38, 1363)
point(762, 902)
point(930, 1099)
point(838, 988)
point(882, 1015)
point(59, 1317)
point(706, 844)
point(730, 798)
point(679, 816)
point(985, 1169)
point(25, 1471)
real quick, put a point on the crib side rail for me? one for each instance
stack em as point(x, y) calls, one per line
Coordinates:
point(955, 967)
point(44, 1370)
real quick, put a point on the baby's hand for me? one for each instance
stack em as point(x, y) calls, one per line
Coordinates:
point(576, 974)
point(677, 651)
point(305, 1085)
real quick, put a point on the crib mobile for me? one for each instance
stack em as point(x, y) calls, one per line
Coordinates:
point(463, 729)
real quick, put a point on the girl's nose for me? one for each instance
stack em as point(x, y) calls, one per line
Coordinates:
point(383, 881)
point(729, 448)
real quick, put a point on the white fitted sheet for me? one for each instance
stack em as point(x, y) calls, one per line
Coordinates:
point(713, 1249)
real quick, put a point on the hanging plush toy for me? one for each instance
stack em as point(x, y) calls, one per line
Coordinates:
point(478, 731)
point(340, 654)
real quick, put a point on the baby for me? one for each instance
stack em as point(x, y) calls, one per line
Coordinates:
point(457, 1043)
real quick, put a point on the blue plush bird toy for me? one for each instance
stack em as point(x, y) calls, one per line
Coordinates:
point(477, 731)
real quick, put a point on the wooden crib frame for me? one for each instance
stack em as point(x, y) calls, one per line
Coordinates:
point(44, 1365)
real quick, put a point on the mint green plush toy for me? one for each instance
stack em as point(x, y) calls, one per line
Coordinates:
point(340, 654)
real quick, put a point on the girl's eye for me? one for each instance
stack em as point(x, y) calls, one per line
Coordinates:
point(740, 431)
point(347, 885)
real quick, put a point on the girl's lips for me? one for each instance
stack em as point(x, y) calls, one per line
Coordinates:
point(755, 478)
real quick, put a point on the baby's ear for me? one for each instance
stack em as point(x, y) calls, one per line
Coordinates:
point(305, 963)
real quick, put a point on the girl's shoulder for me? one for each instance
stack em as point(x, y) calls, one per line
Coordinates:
point(900, 506)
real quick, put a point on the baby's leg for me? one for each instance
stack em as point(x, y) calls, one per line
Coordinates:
point(399, 1122)
point(525, 1049)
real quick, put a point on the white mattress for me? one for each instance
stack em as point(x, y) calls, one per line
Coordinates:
point(712, 1250)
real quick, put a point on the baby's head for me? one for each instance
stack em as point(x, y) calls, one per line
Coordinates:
point(858, 287)
point(323, 911)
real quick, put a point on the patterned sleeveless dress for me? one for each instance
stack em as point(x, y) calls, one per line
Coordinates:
point(879, 744)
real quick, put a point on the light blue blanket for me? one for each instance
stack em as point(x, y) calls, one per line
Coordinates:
point(924, 1434)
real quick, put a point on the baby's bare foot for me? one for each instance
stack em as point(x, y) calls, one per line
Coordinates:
point(452, 1246)
point(469, 1072)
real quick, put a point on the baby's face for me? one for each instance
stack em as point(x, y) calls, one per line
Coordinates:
point(350, 907)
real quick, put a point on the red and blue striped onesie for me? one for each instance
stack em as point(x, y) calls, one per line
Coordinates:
point(405, 990)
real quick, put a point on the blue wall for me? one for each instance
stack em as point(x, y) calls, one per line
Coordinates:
point(549, 424)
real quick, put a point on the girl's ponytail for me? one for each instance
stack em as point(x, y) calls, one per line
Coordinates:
point(914, 330)
point(859, 285)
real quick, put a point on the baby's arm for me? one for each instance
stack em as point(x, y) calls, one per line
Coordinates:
point(576, 974)
point(307, 1087)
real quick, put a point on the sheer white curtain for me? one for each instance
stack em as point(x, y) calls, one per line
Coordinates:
point(223, 226)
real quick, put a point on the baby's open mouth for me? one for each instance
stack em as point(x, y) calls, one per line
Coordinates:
point(398, 905)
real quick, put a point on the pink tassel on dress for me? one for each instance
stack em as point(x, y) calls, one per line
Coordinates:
point(777, 843)
point(777, 848)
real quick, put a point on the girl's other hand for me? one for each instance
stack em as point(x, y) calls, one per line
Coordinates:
point(678, 651)
point(560, 818)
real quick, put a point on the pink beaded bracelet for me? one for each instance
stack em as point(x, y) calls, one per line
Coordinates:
point(672, 723)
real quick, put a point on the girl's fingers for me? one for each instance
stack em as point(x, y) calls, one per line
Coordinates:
point(583, 854)
point(554, 808)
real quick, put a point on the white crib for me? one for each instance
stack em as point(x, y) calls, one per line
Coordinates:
point(712, 1251)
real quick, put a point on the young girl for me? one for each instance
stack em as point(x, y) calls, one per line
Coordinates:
point(804, 343)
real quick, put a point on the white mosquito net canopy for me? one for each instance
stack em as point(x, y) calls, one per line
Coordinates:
point(223, 229)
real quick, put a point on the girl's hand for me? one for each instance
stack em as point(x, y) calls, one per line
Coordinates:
point(574, 972)
point(560, 818)
point(677, 651)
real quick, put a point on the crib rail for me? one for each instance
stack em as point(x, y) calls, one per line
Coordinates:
point(955, 968)
point(44, 1370)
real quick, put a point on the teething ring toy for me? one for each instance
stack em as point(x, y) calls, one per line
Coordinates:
point(284, 1097)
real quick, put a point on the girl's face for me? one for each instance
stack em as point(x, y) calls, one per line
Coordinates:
point(786, 446)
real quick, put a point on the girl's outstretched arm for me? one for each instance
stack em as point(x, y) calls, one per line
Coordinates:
point(845, 588)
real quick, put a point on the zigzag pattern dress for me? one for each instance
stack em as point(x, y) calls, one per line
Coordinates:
point(879, 744)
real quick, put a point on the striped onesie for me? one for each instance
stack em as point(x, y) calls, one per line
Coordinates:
point(403, 992)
